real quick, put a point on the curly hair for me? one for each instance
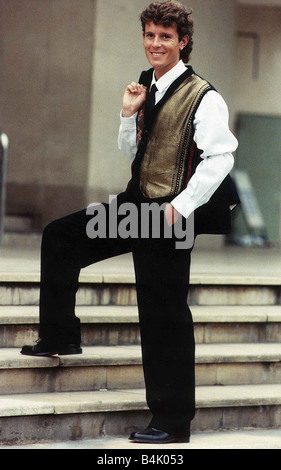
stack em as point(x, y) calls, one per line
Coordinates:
point(171, 13)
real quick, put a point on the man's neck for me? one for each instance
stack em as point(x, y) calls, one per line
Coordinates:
point(169, 76)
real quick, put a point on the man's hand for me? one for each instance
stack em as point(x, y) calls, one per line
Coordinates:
point(134, 97)
point(171, 214)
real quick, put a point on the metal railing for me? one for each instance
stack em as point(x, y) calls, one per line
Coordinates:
point(4, 144)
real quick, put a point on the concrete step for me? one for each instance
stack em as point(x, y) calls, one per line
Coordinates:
point(118, 367)
point(85, 415)
point(105, 286)
point(27, 293)
point(112, 324)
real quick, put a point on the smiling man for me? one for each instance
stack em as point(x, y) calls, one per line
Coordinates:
point(174, 126)
point(181, 149)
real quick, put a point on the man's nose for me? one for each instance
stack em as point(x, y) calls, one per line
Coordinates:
point(156, 41)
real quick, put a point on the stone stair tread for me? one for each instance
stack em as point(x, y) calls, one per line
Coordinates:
point(71, 402)
point(133, 399)
point(238, 352)
point(29, 314)
point(236, 313)
point(10, 358)
point(16, 314)
point(125, 275)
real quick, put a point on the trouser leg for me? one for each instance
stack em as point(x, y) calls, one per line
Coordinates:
point(162, 276)
point(66, 249)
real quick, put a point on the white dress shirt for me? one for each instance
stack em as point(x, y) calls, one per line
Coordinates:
point(212, 136)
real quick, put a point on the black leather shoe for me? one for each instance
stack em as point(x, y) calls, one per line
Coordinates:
point(69, 349)
point(156, 436)
point(41, 348)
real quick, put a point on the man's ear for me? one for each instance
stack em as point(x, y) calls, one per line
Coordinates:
point(184, 41)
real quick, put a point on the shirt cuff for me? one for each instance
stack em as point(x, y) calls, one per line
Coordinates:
point(184, 204)
point(128, 122)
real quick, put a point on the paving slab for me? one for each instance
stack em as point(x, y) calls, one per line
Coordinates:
point(240, 439)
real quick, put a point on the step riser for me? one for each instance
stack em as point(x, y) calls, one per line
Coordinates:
point(24, 429)
point(117, 294)
point(234, 295)
point(124, 334)
point(237, 332)
point(70, 379)
point(91, 378)
point(238, 373)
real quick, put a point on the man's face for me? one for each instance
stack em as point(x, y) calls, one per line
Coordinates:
point(162, 47)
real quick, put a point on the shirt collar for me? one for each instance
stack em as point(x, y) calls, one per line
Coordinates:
point(166, 80)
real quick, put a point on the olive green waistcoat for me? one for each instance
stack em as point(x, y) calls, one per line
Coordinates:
point(163, 168)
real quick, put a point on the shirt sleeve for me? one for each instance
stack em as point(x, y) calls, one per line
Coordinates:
point(127, 137)
point(213, 137)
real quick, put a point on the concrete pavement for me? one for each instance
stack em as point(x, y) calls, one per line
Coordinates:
point(241, 439)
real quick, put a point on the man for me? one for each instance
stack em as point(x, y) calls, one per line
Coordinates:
point(174, 126)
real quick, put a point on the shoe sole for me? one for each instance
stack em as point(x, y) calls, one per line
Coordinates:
point(44, 354)
point(172, 441)
point(156, 441)
point(50, 354)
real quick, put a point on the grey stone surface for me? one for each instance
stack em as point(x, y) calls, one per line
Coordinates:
point(241, 439)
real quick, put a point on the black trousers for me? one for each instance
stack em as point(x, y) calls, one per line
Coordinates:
point(162, 281)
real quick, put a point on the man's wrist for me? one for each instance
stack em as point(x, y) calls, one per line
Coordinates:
point(127, 113)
